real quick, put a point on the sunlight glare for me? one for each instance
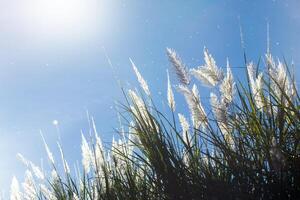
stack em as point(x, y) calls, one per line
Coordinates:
point(61, 15)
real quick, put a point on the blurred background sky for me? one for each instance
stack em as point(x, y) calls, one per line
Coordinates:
point(53, 60)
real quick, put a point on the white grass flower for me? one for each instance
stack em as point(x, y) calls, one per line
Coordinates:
point(218, 108)
point(109, 160)
point(23, 160)
point(280, 81)
point(256, 85)
point(183, 122)
point(132, 141)
point(185, 128)
point(205, 160)
point(98, 139)
point(186, 158)
point(192, 98)
point(95, 190)
point(29, 187)
point(139, 103)
point(54, 176)
point(15, 193)
point(114, 149)
point(66, 167)
point(202, 118)
point(283, 79)
point(81, 185)
point(209, 74)
point(64, 161)
point(49, 153)
point(171, 100)
point(133, 136)
point(227, 87)
point(140, 110)
point(140, 78)
point(270, 61)
point(179, 67)
point(99, 151)
point(49, 195)
point(75, 196)
point(220, 112)
point(86, 155)
point(37, 171)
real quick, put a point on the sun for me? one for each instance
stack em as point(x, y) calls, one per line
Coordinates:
point(61, 12)
point(60, 15)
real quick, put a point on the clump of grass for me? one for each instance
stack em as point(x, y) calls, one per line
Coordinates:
point(245, 147)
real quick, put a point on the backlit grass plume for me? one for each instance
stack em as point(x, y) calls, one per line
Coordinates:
point(244, 145)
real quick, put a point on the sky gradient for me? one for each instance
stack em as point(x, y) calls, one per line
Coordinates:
point(56, 67)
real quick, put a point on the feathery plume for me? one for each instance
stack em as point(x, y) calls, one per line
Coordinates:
point(86, 155)
point(47, 193)
point(220, 112)
point(180, 68)
point(192, 98)
point(75, 196)
point(49, 153)
point(186, 158)
point(99, 154)
point(65, 163)
point(227, 86)
point(185, 128)
point(171, 101)
point(133, 137)
point(140, 78)
point(183, 122)
point(15, 193)
point(140, 110)
point(218, 108)
point(37, 171)
point(270, 61)
point(132, 141)
point(205, 160)
point(29, 186)
point(280, 80)
point(256, 85)
point(114, 148)
point(137, 100)
point(209, 74)
point(21, 158)
point(54, 176)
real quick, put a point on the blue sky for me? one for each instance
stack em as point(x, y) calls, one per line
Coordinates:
point(53, 64)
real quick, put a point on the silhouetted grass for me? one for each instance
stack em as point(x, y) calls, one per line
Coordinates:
point(246, 147)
